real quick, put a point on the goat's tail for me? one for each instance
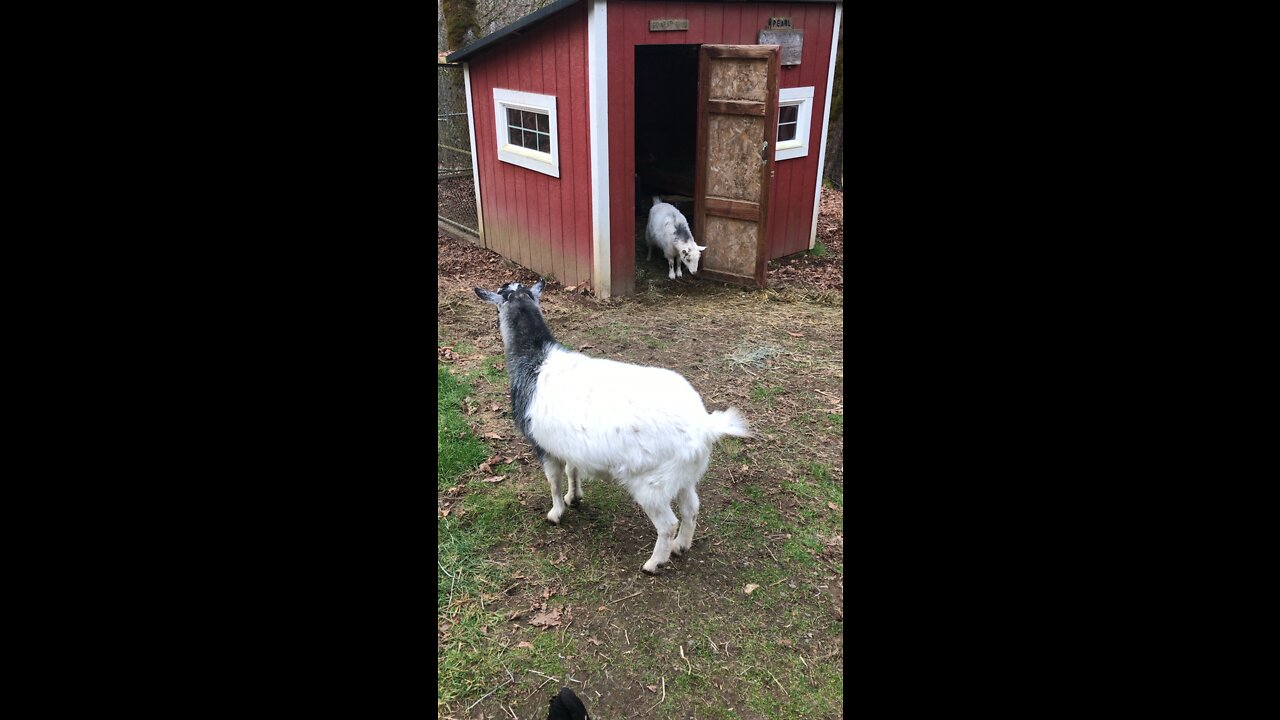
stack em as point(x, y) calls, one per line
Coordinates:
point(656, 200)
point(727, 422)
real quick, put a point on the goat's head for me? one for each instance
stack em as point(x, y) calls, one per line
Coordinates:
point(690, 254)
point(517, 306)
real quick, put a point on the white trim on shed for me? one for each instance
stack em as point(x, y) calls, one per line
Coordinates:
point(826, 118)
point(598, 119)
point(475, 162)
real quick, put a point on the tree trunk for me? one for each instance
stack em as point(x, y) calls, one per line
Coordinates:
point(833, 169)
point(459, 22)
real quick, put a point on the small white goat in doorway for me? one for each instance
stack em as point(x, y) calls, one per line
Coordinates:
point(668, 230)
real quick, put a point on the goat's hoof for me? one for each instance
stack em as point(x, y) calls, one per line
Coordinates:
point(649, 570)
point(554, 517)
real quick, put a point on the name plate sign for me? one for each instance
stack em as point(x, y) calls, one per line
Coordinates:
point(792, 42)
point(668, 24)
point(779, 23)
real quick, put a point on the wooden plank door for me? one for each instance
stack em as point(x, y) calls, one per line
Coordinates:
point(737, 129)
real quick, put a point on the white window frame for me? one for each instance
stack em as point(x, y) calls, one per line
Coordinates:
point(545, 163)
point(802, 99)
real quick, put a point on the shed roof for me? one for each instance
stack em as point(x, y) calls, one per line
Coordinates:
point(538, 16)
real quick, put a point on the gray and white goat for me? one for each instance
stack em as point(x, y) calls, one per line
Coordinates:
point(668, 230)
point(646, 428)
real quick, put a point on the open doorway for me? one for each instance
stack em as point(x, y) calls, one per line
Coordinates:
point(666, 116)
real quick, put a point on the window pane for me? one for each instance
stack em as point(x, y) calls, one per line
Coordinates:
point(513, 117)
point(543, 123)
point(531, 139)
point(513, 136)
point(544, 143)
point(786, 132)
point(530, 120)
point(787, 113)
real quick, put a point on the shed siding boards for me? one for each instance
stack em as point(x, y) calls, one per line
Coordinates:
point(795, 180)
point(540, 222)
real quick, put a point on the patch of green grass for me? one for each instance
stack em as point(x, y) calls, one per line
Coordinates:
point(819, 250)
point(459, 450)
point(800, 546)
point(836, 420)
point(732, 447)
point(820, 471)
point(811, 690)
point(764, 393)
point(614, 331)
point(656, 344)
point(492, 370)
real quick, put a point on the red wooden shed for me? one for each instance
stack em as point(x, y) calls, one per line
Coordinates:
point(582, 111)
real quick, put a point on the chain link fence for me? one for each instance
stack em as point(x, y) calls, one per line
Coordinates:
point(456, 193)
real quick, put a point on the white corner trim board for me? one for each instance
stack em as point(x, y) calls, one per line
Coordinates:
point(475, 172)
point(598, 119)
point(826, 118)
point(547, 163)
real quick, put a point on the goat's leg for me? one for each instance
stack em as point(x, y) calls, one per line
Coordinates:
point(555, 471)
point(671, 273)
point(664, 521)
point(572, 494)
point(687, 499)
point(648, 242)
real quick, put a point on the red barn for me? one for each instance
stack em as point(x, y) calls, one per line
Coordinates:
point(582, 111)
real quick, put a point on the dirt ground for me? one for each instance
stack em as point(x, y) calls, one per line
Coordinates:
point(778, 356)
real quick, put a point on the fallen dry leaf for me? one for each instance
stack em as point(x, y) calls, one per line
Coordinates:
point(546, 619)
point(832, 506)
point(495, 479)
point(651, 688)
point(484, 468)
point(495, 407)
point(571, 288)
point(750, 588)
point(492, 436)
point(445, 513)
point(593, 641)
point(523, 644)
point(793, 334)
point(585, 347)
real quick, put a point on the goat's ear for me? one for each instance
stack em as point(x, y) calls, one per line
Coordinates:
point(537, 289)
point(702, 248)
point(488, 296)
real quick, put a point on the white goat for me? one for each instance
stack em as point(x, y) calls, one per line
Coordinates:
point(669, 232)
point(644, 427)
